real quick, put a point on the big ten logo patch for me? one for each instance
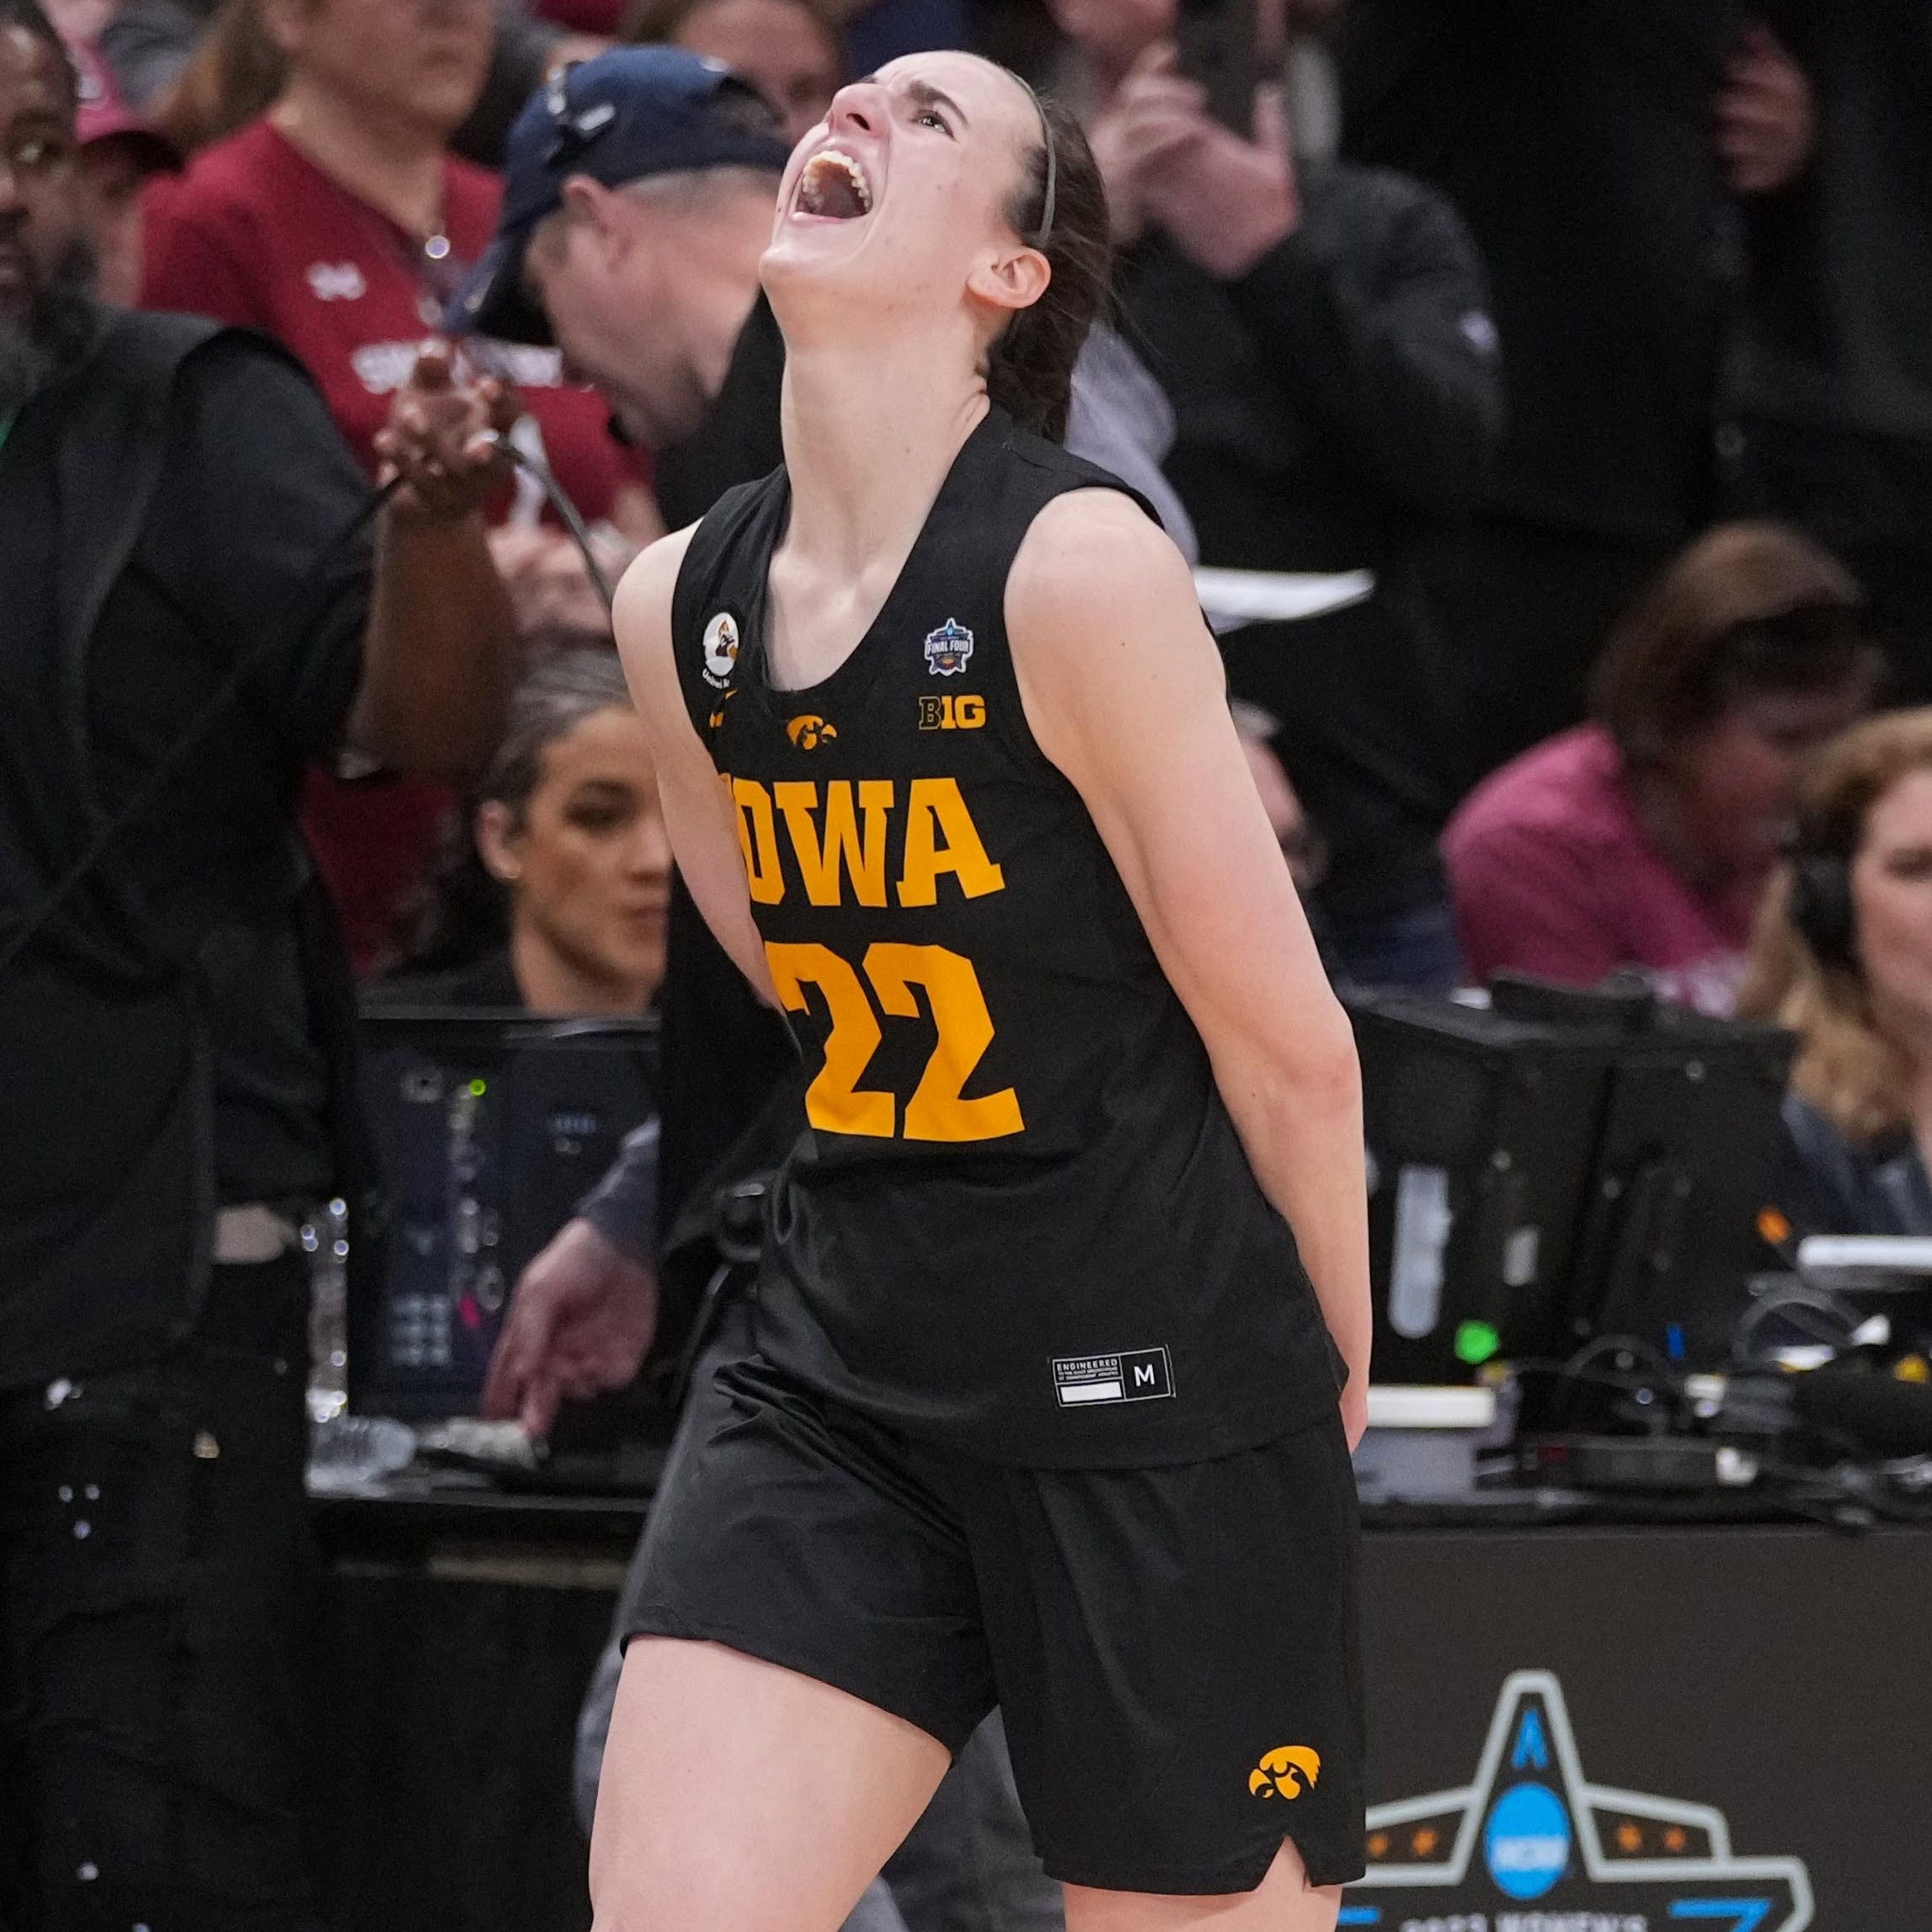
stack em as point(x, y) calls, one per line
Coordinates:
point(950, 710)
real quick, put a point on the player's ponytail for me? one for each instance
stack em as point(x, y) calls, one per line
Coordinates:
point(1029, 371)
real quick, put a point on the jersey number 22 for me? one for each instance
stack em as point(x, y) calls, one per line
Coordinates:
point(939, 1110)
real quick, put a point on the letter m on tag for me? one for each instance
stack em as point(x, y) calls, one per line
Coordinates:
point(1144, 1374)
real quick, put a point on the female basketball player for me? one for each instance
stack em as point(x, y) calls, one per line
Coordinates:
point(1045, 1410)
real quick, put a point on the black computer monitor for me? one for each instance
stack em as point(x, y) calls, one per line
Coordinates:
point(1561, 1166)
point(488, 1127)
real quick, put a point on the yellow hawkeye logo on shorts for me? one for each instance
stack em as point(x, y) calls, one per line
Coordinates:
point(1286, 1772)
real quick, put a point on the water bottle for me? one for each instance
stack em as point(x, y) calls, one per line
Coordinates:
point(345, 1451)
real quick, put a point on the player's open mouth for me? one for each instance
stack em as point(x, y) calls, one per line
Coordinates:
point(834, 187)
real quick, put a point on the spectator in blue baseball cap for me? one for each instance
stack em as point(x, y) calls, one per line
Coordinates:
point(638, 198)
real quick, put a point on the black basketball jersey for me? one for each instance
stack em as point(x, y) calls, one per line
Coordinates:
point(1019, 1221)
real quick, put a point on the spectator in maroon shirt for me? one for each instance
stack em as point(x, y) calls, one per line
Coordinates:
point(1644, 839)
point(339, 223)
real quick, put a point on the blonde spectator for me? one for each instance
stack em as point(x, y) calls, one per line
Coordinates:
point(1842, 956)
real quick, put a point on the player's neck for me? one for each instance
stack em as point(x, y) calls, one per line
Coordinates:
point(395, 165)
point(869, 437)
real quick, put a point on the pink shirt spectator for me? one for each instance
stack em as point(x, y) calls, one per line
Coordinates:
point(1552, 873)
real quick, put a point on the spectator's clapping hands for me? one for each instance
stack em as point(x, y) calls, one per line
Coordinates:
point(1765, 120)
point(1223, 201)
point(440, 439)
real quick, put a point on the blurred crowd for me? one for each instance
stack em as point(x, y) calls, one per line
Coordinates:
point(1597, 333)
point(1505, 304)
point(1601, 337)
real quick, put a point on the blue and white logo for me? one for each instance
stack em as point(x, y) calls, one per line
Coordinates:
point(1526, 1843)
point(948, 648)
point(1529, 1844)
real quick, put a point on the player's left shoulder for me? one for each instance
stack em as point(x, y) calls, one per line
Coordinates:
point(1091, 559)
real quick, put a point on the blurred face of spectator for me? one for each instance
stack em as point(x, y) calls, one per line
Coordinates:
point(414, 63)
point(1734, 782)
point(111, 173)
point(587, 863)
point(1892, 906)
point(646, 288)
point(775, 45)
point(1114, 34)
point(40, 228)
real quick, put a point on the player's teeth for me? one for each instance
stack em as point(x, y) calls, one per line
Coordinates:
point(831, 158)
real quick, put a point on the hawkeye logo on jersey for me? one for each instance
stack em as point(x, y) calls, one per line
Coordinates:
point(720, 649)
point(1286, 1772)
point(948, 648)
point(944, 712)
point(809, 732)
point(1139, 1375)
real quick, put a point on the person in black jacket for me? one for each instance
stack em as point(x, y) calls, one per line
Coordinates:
point(191, 611)
point(1830, 376)
point(1322, 331)
point(1598, 150)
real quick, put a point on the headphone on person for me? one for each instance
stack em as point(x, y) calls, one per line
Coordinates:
point(1821, 907)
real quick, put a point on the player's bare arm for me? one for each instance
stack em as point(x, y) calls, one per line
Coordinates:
point(1125, 692)
point(698, 814)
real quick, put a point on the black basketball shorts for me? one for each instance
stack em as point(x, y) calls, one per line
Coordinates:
point(1174, 1650)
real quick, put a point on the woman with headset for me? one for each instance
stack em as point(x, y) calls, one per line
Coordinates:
point(1842, 956)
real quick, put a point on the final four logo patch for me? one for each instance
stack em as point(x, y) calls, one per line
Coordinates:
point(948, 648)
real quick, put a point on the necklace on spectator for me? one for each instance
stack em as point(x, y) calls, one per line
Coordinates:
point(438, 278)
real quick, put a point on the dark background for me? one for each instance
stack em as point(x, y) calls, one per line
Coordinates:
point(1777, 1674)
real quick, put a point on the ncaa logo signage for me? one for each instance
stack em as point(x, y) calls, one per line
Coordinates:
point(1532, 1846)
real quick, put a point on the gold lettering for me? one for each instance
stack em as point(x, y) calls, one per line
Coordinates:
point(935, 808)
point(949, 711)
point(758, 837)
point(938, 1109)
point(820, 865)
point(835, 1102)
